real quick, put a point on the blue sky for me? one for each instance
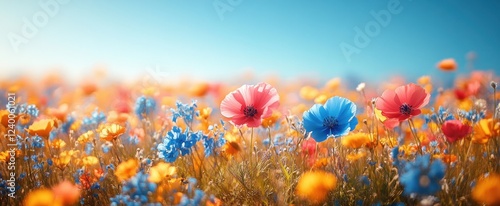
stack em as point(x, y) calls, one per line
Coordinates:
point(282, 37)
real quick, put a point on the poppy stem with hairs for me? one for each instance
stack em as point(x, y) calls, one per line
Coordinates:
point(495, 116)
point(417, 140)
point(251, 149)
point(468, 150)
point(269, 136)
point(494, 86)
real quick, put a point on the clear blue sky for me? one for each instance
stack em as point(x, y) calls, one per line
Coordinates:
point(283, 37)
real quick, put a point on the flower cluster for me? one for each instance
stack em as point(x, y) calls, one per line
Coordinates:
point(276, 143)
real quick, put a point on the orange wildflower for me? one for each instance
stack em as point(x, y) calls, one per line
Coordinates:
point(487, 190)
point(271, 120)
point(88, 88)
point(4, 117)
point(199, 90)
point(127, 169)
point(41, 197)
point(42, 127)
point(447, 158)
point(315, 185)
point(485, 130)
point(67, 192)
point(59, 113)
point(447, 65)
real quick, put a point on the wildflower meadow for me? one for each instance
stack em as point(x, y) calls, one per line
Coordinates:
point(250, 142)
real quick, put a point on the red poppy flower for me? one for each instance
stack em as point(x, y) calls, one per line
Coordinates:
point(402, 103)
point(455, 130)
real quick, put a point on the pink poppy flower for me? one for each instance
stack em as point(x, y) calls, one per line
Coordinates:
point(249, 104)
point(455, 130)
point(402, 103)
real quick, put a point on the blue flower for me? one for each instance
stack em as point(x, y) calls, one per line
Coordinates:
point(196, 200)
point(197, 197)
point(89, 148)
point(37, 142)
point(177, 143)
point(335, 118)
point(144, 106)
point(140, 187)
point(135, 191)
point(184, 111)
point(106, 147)
point(67, 125)
point(94, 120)
point(365, 180)
point(421, 176)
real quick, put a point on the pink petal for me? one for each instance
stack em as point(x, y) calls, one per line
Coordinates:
point(391, 123)
point(230, 106)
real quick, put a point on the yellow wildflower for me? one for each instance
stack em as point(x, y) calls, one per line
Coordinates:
point(112, 132)
point(355, 156)
point(89, 161)
point(356, 140)
point(321, 99)
point(64, 158)
point(205, 113)
point(161, 171)
point(57, 144)
point(4, 156)
point(308, 92)
point(42, 127)
point(86, 137)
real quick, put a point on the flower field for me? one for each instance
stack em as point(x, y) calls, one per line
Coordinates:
point(250, 142)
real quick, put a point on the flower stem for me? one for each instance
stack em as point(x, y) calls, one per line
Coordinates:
point(251, 148)
point(415, 136)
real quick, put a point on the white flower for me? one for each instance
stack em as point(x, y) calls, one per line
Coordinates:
point(361, 87)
